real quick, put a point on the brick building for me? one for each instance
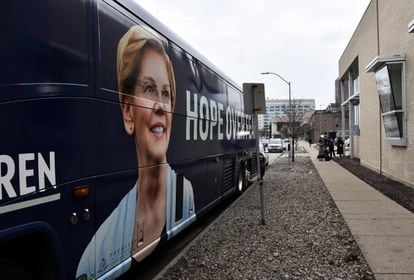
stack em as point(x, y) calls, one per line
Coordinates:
point(324, 122)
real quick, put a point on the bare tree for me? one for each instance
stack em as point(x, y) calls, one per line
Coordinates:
point(295, 118)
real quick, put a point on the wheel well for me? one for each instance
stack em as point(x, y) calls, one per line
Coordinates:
point(242, 169)
point(251, 166)
point(242, 166)
point(34, 252)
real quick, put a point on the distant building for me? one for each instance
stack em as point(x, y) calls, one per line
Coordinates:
point(279, 108)
point(300, 125)
point(376, 85)
point(324, 122)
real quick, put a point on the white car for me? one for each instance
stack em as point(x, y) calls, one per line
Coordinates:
point(275, 145)
point(346, 145)
point(264, 154)
point(264, 141)
point(287, 143)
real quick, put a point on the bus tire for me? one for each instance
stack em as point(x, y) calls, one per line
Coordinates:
point(10, 270)
point(241, 179)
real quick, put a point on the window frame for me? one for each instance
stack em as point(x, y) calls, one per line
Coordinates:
point(356, 114)
point(377, 64)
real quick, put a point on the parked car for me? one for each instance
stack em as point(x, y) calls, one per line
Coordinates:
point(264, 159)
point(343, 134)
point(264, 141)
point(286, 142)
point(275, 145)
point(346, 144)
point(264, 154)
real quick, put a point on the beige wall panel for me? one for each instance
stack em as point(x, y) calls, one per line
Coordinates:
point(363, 45)
point(356, 146)
point(394, 16)
point(365, 29)
point(369, 107)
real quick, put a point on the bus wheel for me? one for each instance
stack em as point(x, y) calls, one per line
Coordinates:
point(13, 271)
point(241, 181)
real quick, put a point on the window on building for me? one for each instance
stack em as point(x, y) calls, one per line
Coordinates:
point(390, 79)
point(389, 86)
point(356, 114)
point(355, 125)
point(355, 84)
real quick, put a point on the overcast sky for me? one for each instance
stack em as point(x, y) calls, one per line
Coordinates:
point(301, 40)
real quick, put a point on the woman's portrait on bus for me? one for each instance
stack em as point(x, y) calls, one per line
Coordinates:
point(147, 94)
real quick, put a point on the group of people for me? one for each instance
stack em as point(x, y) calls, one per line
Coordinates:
point(327, 147)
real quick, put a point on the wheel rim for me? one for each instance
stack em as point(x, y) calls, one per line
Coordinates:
point(240, 183)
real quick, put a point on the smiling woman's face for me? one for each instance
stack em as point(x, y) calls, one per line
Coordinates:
point(151, 113)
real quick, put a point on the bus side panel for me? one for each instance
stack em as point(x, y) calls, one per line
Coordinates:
point(50, 147)
point(198, 130)
point(43, 44)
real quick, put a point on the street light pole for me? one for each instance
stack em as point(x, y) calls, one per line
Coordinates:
point(291, 122)
point(290, 113)
point(320, 117)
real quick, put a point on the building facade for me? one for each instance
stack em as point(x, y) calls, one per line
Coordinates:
point(324, 122)
point(279, 107)
point(376, 85)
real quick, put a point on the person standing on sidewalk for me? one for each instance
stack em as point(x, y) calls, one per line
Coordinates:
point(340, 147)
point(321, 146)
point(331, 145)
point(326, 147)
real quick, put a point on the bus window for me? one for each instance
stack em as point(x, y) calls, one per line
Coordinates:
point(235, 98)
point(187, 76)
point(44, 49)
point(112, 26)
point(213, 85)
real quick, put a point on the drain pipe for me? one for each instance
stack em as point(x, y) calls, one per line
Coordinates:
point(379, 102)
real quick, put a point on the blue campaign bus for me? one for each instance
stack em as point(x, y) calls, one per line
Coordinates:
point(115, 136)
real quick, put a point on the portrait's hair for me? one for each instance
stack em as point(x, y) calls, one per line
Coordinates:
point(131, 49)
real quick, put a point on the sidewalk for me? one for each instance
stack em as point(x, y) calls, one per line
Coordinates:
point(383, 229)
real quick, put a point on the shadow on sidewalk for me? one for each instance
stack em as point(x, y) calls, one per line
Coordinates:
point(398, 192)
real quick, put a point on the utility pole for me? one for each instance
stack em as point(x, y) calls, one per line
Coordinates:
point(289, 114)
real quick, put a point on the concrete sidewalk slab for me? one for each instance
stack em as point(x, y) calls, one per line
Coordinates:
point(393, 277)
point(383, 229)
point(370, 207)
point(388, 254)
point(377, 217)
point(381, 226)
point(355, 194)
